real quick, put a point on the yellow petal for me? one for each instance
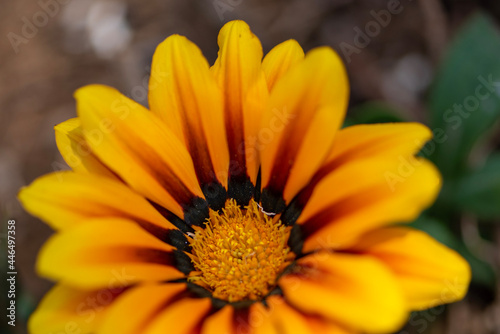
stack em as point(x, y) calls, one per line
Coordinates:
point(357, 291)
point(306, 108)
point(136, 308)
point(106, 253)
point(399, 195)
point(68, 310)
point(137, 145)
point(429, 273)
point(280, 60)
point(75, 150)
point(181, 317)
point(184, 94)
point(67, 199)
point(238, 71)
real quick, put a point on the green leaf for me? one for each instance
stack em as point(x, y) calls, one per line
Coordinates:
point(371, 113)
point(437, 229)
point(465, 97)
point(479, 192)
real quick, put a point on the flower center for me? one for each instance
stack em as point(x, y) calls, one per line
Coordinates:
point(240, 253)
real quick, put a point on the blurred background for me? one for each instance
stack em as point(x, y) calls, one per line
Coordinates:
point(436, 62)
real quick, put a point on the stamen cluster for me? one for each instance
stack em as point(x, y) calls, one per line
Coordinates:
point(240, 252)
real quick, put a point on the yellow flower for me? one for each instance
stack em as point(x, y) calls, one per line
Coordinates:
point(236, 204)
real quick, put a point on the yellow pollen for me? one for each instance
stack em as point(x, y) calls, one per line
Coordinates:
point(240, 253)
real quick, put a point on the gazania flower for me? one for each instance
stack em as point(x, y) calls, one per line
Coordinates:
point(236, 204)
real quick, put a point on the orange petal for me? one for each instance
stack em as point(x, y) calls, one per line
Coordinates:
point(354, 146)
point(181, 317)
point(376, 141)
point(220, 322)
point(349, 179)
point(280, 317)
point(67, 199)
point(68, 310)
point(357, 291)
point(376, 198)
point(319, 325)
point(429, 273)
point(139, 307)
point(156, 165)
point(280, 60)
point(106, 253)
point(76, 151)
point(306, 107)
point(238, 71)
point(185, 95)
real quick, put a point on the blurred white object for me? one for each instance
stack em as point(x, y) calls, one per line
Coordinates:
point(407, 79)
point(73, 21)
point(108, 29)
point(413, 72)
point(99, 25)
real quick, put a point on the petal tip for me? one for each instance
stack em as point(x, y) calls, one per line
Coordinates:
point(236, 24)
point(21, 194)
point(90, 90)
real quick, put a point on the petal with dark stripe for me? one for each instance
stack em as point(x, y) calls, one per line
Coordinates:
point(184, 316)
point(351, 202)
point(107, 253)
point(305, 110)
point(65, 309)
point(138, 146)
point(280, 317)
point(429, 273)
point(238, 71)
point(221, 321)
point(356, 291)
point(67, 199)
point(185, 95)
point(76, 151)
point(133, 311)
point(376, 140)
point(355, 145)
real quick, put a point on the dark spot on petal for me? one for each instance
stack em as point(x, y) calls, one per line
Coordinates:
point(197, 212)
point(183, 262)
point(296, 240)
point(177, 239)
point(241, 189)
point(215, 195)
point(272, 201)
point(292, 213)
